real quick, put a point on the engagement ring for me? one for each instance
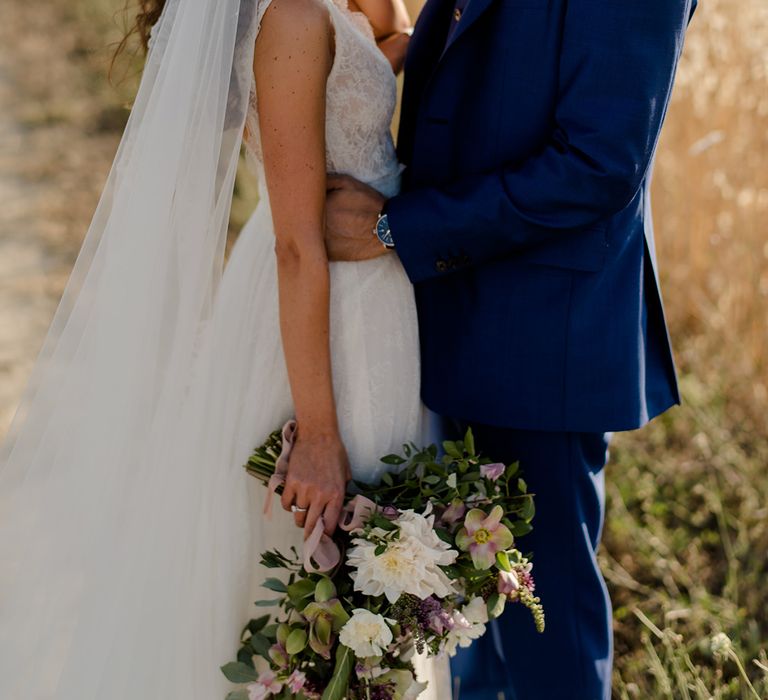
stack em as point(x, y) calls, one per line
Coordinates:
point(296, 509)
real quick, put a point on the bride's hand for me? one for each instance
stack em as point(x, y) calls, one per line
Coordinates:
point(318, 472)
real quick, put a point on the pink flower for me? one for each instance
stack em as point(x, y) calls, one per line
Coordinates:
point(264, 687)
point(508, 583)
point(484, 535)
point(256, 691)
point(492, 471)
point(390, 512)
point(454, 512)
point(296, 681)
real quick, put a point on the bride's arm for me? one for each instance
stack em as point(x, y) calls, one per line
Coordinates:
point(391, 26)
point(292, 60)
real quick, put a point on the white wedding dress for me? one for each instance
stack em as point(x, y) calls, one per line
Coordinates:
point(177, 534)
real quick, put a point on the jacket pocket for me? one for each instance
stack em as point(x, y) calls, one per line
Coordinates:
point(586, 250)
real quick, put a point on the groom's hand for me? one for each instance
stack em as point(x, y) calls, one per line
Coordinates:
point(351, 211)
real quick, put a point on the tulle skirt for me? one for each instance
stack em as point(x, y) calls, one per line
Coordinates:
point(128, 568)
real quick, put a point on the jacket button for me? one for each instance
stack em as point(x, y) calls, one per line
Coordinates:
point(441, 265)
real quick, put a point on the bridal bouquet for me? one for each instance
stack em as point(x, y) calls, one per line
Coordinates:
point(420, 562)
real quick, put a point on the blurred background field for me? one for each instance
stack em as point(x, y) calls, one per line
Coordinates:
point(686, 541)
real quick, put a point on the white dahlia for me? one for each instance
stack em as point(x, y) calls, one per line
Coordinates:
point(366, 633)
point(409, 564)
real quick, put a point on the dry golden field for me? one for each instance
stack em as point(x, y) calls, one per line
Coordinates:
point(686, 542)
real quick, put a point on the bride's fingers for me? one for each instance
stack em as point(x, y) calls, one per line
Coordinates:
point(332, 514)
point(302, 509)
point(315, 511)
point(289, 495)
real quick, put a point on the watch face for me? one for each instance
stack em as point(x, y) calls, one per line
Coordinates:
point(383, 232)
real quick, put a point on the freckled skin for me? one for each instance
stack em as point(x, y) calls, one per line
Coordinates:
point(291, 64)
point(292, 60)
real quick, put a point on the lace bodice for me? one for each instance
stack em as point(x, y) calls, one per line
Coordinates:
point(361, 96)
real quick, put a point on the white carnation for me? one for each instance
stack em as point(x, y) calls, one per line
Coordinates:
point(410, 564)
point(366, 633)
point(468, 625)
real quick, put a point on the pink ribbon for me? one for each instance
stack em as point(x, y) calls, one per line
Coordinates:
point(321, 553)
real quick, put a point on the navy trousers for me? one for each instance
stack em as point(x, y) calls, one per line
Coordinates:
point(571, 659)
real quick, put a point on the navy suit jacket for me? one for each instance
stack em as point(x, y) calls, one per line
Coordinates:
point(525, 219)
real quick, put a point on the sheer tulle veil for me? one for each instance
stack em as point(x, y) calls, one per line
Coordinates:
point(84, 474)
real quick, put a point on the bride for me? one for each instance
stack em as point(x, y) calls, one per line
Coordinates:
point(129, 533)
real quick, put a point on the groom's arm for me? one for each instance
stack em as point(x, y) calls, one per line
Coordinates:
point(617, 66)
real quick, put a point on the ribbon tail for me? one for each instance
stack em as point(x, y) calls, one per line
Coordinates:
point(281, 465)
point(321, 554)
point(357, 512)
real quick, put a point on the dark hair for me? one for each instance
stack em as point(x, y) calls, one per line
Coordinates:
point(149, 12)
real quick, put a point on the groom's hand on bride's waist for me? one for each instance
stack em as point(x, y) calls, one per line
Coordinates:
point(351, 212)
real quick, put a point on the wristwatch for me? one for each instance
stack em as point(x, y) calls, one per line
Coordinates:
point(382, 232)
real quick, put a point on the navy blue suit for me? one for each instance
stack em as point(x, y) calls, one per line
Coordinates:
point(525, 225)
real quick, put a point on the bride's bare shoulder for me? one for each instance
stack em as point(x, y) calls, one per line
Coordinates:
point(306, 19)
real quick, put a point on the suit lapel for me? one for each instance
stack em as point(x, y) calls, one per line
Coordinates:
point(472, 13)
point(427, 48)
point(423, 55)
point(428, 37)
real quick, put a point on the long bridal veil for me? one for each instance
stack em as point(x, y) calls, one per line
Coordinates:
point(88, 537)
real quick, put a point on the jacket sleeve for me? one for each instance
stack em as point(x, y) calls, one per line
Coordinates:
point(617, 66)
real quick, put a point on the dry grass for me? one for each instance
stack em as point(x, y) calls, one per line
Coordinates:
point(687, 536)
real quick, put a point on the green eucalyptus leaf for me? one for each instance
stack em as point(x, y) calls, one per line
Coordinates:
point(337, 686)
point(268, 603)
point(275, 584)
point(237, 695)
point(260, 645)
point(245, 655)
point(395, 460)
point(258, 624)
point(237, 672)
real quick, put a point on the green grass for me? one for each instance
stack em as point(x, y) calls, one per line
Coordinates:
point(685, 551)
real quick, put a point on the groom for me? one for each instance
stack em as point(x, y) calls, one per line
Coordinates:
point(528, 130)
